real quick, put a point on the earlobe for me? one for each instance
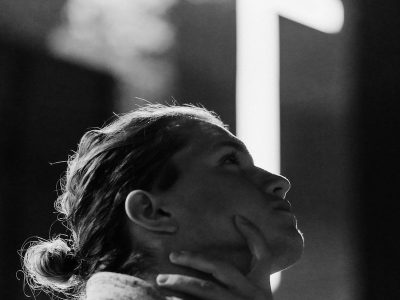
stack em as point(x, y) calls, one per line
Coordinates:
point(145, 210)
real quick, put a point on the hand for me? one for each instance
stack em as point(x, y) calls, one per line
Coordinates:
point(233, 284)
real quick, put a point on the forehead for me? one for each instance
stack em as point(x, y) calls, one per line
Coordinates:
point(204, 138)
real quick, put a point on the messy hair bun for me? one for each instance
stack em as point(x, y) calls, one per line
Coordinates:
point(50, 264)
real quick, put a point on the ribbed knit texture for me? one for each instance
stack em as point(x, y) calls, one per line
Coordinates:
point(115, 286)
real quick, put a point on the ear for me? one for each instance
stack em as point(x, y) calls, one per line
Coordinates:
point(144, 209)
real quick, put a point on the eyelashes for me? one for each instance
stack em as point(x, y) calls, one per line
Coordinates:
point(231, 158)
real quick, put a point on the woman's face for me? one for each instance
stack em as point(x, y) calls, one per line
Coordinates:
point(219, 180)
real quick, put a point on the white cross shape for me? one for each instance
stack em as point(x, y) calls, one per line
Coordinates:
point(257, 82)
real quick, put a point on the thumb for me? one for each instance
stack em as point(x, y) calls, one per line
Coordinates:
point(261, 255)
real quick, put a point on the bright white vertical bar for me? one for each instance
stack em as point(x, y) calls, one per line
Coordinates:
point(257, 82)
point(257, 85)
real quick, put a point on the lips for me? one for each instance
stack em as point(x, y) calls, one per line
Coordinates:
point(283, 205)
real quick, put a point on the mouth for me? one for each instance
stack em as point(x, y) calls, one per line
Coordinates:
point(283, 205)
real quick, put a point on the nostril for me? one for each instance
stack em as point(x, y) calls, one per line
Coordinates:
point(279, 191)
point(276, 185)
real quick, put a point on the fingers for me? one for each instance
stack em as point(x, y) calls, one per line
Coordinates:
point(222, 271)
point(194, 286)
point(230, 282)
point(261, 254)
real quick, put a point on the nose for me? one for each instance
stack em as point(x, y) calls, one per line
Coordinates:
point(279, 186)
point(276, 185)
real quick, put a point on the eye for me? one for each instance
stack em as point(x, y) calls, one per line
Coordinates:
point(230, 159)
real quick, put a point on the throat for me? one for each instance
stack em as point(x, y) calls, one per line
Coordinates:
point(237, 257)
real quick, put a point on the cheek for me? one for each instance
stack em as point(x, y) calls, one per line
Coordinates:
point(209, 202)
point(205, 193)
point(239, 196)
point(232, 194)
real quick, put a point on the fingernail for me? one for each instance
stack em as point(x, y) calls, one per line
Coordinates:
point(177, 254)
point(173, 256)
point(161, 278)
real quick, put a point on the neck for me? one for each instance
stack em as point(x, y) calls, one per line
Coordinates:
point(239, 257)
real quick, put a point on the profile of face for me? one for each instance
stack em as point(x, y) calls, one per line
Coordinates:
point(219, 180)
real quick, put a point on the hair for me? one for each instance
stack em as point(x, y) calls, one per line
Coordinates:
point(132, 152)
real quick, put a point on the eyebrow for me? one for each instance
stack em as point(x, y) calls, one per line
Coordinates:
point(239, 146)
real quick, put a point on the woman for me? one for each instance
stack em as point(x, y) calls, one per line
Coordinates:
point(104, 258)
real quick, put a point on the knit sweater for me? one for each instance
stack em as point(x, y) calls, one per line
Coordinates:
point(115, 286)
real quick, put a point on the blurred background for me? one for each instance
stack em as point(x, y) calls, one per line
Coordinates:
point(66, 66)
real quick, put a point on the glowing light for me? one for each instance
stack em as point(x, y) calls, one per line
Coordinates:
point(326, 16)
point(127, 38)
point(257, 82)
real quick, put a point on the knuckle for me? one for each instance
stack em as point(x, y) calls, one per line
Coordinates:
point(206, 285)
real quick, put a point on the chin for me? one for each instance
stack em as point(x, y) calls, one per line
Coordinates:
point(287, 251)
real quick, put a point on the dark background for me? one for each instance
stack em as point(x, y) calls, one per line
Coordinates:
point(339, 107)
